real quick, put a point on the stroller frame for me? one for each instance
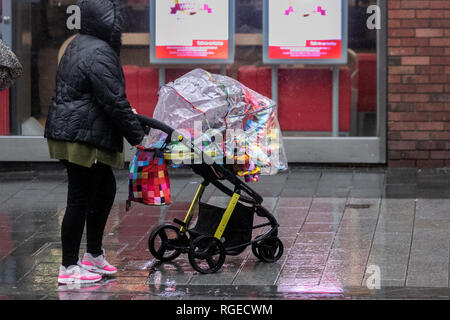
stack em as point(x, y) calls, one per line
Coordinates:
point(207, 252)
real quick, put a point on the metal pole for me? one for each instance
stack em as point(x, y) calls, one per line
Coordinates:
point(335, 101)
point(275, 83)
point(162, 76)
point(223, 69)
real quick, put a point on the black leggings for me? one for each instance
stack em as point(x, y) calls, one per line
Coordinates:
point(90, 198)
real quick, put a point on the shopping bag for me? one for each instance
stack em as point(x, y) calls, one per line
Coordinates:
point(149, 179)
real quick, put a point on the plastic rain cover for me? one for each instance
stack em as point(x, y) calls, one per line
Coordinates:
point(223, 118)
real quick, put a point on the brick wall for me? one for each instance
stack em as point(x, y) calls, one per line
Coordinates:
point(419, 83)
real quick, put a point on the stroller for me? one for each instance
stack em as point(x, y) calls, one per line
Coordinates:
point(218, 231)
point(219, 102)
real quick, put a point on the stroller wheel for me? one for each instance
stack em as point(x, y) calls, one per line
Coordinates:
point(268, 250)
point(161, 242)
point(206, 254)
point(255, 248)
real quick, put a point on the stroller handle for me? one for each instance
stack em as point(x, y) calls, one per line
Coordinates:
point(155, 124)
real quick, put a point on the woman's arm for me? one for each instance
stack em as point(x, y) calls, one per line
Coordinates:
point(108, 85)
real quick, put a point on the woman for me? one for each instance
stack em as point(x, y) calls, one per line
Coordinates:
point(88, 118)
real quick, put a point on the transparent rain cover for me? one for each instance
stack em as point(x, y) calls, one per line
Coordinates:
point(222, 117)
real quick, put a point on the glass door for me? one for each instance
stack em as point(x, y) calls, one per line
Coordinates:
point(5, 22)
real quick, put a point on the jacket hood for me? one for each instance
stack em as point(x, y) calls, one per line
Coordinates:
point(102, 19)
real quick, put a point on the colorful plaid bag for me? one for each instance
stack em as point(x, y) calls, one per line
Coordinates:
point(149, 180)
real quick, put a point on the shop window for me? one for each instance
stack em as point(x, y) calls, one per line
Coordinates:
point(39, 32)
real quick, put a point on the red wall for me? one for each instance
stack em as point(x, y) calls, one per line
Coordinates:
point(305, 95)
point(4, 112)
point(419, 83)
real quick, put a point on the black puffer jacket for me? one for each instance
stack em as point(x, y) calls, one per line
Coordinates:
point(89, 104)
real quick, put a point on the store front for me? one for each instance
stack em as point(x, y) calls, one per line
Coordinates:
point(353, 131)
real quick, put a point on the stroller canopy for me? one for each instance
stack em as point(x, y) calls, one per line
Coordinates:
point(222, 116)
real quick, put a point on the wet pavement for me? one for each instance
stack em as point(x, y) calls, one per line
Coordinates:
point(348, 233)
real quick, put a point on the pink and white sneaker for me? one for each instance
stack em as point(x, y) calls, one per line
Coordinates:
point(97, 264)
point(75, 274)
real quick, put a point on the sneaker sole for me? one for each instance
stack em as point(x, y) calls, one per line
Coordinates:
point(74, 281)
point(96, 270)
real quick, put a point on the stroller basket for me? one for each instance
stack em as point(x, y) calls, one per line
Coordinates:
point(239, 228)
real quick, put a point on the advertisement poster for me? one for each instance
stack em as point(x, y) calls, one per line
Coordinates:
point(192, 29)
point(305, 29)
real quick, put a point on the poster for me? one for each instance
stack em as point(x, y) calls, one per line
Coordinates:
point(305, 30)
point(192, 29)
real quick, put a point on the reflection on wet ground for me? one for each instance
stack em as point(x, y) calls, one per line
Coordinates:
point(346, 232)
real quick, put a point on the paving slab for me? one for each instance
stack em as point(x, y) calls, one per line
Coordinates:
point(336, 225)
